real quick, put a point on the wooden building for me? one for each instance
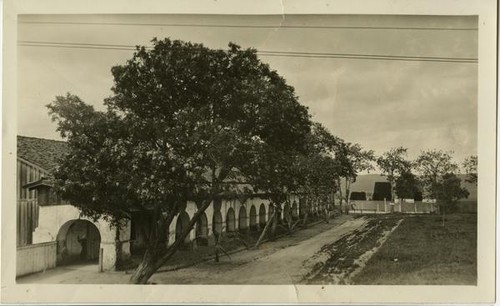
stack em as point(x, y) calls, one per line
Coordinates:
point(36, 157)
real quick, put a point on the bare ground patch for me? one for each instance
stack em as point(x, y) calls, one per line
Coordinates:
point(337, 262)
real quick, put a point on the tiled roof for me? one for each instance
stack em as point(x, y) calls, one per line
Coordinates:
point(44, 153)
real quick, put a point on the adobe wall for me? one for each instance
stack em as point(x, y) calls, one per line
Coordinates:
point(236, 205)
point(55, 219)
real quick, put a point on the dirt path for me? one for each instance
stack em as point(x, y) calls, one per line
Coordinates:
point(273, 266)
point(283, 261)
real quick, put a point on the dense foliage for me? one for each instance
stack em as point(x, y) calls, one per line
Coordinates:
point(448, 191)
point(432, 165)
point(470, 167)
point(393, 164)
point(185, 123)
point(408, 187)
point(382, 191)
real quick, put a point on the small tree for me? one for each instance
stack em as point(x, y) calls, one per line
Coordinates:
point(448, 191)
point(393, 164)
point(351, 159)
point(271, 173)
point(470, 167)
point(320, 180)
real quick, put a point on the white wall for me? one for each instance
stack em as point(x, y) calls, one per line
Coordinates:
point(53, 217)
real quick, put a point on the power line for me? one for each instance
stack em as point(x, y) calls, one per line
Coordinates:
point(375, 58)
point(249, 26)
point(260, 51)
point(77, 45)
point(293, 54)
point(374, 55)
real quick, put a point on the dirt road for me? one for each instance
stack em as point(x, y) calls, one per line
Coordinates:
point(288, 265)
point(284, 261)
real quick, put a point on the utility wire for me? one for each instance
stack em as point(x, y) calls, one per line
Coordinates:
point(292, 54)
point(249, 26)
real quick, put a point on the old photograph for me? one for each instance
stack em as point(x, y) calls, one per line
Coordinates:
point(181, 149)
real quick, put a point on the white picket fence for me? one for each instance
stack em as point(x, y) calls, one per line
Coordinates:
point(384, 207)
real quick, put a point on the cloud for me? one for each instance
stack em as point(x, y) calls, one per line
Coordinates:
point(376, 103)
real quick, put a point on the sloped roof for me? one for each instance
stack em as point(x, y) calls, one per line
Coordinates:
point(44, 153)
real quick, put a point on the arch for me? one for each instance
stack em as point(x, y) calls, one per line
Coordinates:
point(180, 227)
point(243, 219)
point(217, 224)
point(253, 219)
point(262, 215)
point(78, 240)
point(202, 230)
point(295, 213)
point(230, 222)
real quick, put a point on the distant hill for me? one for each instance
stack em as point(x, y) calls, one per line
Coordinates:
point(366, 183)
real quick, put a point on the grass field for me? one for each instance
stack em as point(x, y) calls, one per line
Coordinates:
point(423, 252)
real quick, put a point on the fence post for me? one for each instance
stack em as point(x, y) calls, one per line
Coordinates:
point(415, 206)
point(101, 252)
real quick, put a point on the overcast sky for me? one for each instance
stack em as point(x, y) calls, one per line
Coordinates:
point(377, 103)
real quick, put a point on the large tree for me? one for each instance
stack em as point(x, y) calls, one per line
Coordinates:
point(393, 164)
point(432, 165)
point(182, 119)
point(310, 171)
point(318, 171)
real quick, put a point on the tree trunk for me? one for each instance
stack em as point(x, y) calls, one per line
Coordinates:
point(442, 213)
point(118, 249)
point(148, 266)
point(216, 237)
point(340, 194)
point(347, 187)
point(275, 223)
point(393, 192)
point(327, 215)
point(217, 255)
point(157, 255)
point(304, 223)
point(266, 228)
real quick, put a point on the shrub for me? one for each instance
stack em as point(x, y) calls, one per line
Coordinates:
point(381, 191)
point(358, 196)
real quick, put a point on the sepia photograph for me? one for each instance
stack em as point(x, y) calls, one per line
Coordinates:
point(319, 150)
